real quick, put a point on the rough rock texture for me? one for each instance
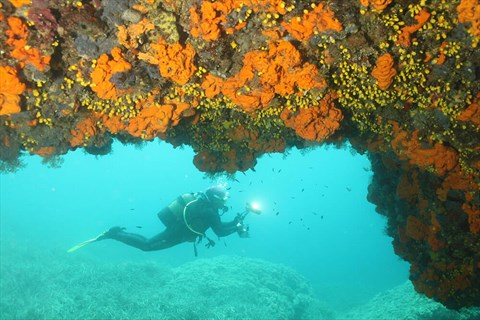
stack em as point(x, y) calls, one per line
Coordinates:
point(403, 303)
point(237, 79)
point(48, 286)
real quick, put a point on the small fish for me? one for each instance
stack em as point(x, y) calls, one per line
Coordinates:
point(348, 189)
point(274, 203)
point(261, 181)
point(326, 186)
point(253, 169)
point(278, 212)
point(301, 219)
point(240, 190)
point(292, 197)
point(273, 169)
point(139, 227)
point(308, 228)
point(279, 170)
point(236, 180)
point(228, 188)
point(321, 217)
point(289, 222)
point(314, 213)
point(131, 209)
point(366, 169)
point(323, 195)
point(303, 189)
point(250, 183)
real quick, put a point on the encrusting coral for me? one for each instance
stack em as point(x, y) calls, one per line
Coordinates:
point(469, 12)
point(436, 156)
point(384, 71)
point(104, 69)
point(11, 89)
point(174, 61)
point(312, 22)
point(315, 123)
point(236, 79)
point(19, 49)
point(377, 4)
point(20, 3)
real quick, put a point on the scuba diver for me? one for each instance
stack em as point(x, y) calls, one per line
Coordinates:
point(187, 218)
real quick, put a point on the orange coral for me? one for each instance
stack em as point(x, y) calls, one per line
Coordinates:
point(212, 85)
point(174, 61)
point(208, 20)
point(104, 69)
point(315, 123)
point(318, 20)
point(279, 70)
point(11, 88)
point(472, 113)
point(128, 36)
point(272, 6)
point(415, 228)
point(456, 179)
point(473, 213)
point(20, 3)
point(206, 161)
point(44, 151)
point(83, 131)
point(438, 156)
point(384, 71)
point(256, 141)
point(469, 12)
point(114, 124)
point(427, 229)
point(154, 118)
point(17, 40)
point(404, 38)
point(206, 23)
point(377, 4)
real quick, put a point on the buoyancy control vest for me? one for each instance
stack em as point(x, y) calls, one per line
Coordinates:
point(177, 213)
point(173, 213)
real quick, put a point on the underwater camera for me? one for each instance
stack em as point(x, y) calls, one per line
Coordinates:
point(253, 207)
point(243, 232)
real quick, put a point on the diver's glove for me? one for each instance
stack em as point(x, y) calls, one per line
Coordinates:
point(238, 218)
point(210, 243)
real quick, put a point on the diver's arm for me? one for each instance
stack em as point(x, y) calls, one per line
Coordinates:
point(223, 229)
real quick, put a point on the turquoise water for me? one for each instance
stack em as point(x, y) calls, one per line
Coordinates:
point(316, 224)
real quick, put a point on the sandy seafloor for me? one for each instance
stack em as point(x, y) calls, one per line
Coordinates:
point(317, 251)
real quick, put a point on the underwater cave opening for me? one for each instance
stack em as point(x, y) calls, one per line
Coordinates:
point(315, 214)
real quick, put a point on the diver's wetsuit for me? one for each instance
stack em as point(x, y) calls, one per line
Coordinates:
point(201, 216)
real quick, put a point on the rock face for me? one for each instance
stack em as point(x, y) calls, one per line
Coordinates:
point(237, 79)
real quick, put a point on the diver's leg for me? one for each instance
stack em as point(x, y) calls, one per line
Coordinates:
point(131, 239)
point(168, 238)
point(163, 240)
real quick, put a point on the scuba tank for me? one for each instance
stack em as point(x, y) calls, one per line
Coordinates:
point(173, 213)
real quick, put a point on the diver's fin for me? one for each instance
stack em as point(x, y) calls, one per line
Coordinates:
point(84, 243)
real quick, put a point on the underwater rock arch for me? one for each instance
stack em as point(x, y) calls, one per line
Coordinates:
point(238, 79)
